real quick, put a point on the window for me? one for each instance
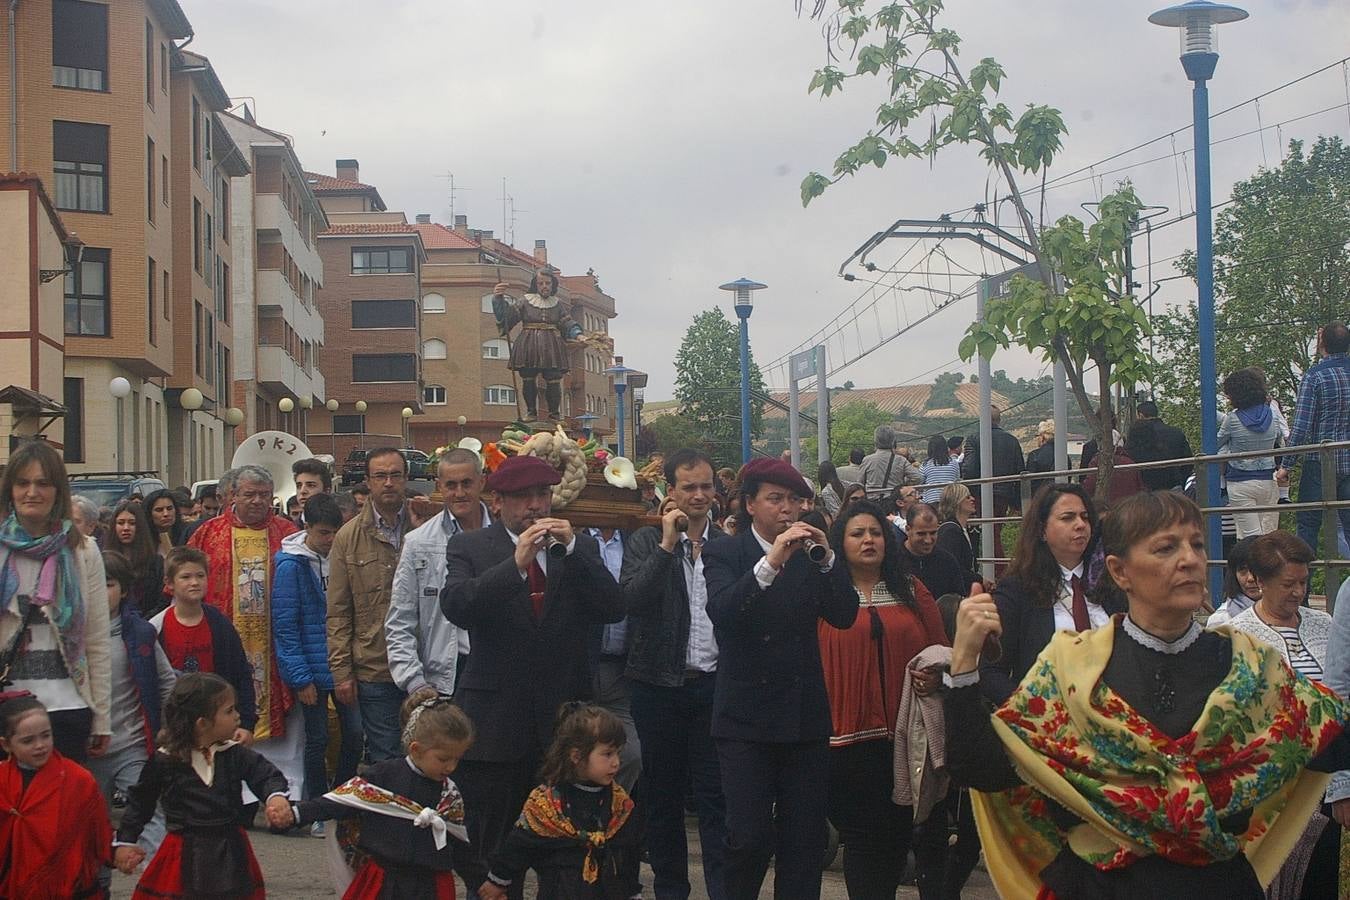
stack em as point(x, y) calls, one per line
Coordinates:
point(206, 140)
point(223, 376)
point(87, 295)
point(499, 395)
point(164, 68)
point(381, 261)
point(80, 159)
point(209, 259)
point(150, 180)
point(164, 180)
point(378, 367)
point(349, 424)
point(197, 338)
point(164, 296)
point(433, 348)
point(209, 347)
point(151, 307)
point(196, 135)
point(222, 292)
point(150, 63)
point(433, 303)
point(223, 211)
point(494, 349)
point(73, 397)
point(434, 395)
point(487, 304)
point(79, 45)
point(384, 314)
point(197, 233)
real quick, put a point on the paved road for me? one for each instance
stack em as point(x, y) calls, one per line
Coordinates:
point(295, 869)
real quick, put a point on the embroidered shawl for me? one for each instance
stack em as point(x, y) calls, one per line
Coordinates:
point(238, 582)
point(543, 815)
point(447, 817)
point(1137, 791)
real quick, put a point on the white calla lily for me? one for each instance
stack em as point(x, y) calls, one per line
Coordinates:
point(620, 473)
point(471, 443)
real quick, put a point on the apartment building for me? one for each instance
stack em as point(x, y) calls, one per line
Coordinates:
point(278, 332)
point(370, 303)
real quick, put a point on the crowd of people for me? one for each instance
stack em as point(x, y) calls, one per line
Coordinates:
point(769, 657)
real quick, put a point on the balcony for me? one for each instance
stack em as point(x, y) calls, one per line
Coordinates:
point(271, 217)
point(279, 371)
point(275, 292)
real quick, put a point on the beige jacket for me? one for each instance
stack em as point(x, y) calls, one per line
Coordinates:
point(359, 586)
point(920, 763)
point(97, 690)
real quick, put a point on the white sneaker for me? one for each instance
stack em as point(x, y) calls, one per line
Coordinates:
point(316, 830)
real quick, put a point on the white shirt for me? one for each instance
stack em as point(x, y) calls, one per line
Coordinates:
point(766, 573)
point(701, 654)
point(1064, 606)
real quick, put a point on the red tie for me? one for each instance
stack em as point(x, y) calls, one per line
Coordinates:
point(538, 585)
point(1080, 613)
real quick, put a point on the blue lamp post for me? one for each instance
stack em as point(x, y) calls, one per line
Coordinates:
point(620, 373)
point(1196, 20)
point(742, 288)
point(587, 420)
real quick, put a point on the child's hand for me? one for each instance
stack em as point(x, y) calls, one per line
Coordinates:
point(127, 858)
point(243, 736)
point(489, 890)
point(279, 815)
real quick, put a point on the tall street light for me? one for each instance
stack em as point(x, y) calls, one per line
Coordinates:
point(1199, 55)
point(620, 374)
point(742, 288)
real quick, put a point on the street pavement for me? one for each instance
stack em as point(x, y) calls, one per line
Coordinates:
point(295, 868)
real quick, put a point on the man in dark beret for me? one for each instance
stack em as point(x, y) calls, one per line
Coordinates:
point(529, 589)
point(768, 587)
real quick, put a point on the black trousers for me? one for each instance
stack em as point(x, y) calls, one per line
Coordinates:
point(944, 867)
point(874, 831)
point(777, 799)
point(71, 729)
point(494, 793)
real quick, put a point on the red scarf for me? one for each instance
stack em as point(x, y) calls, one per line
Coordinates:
point(54, 836)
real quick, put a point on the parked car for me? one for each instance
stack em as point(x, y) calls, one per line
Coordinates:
point(107, 489)
point(354, 467)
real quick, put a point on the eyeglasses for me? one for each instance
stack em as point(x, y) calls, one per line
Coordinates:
point(386, 476)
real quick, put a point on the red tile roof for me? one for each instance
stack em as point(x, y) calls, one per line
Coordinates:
point(436, 236)
point(327, 184)
point(371, 228)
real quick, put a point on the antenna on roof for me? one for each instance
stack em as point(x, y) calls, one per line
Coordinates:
point(450, 176)
point(511, 235)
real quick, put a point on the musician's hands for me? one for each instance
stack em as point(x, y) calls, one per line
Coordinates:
point(794, 538)
point(532, 540)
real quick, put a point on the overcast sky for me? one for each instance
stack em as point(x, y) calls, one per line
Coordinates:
point(663, 143)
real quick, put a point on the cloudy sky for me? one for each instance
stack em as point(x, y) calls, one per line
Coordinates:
point(663, 143)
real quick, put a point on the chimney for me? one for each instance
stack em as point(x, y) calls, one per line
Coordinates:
point(348, 169)
point(541, 251)
point(461, 224)
point(424, 218)
point(487, 235)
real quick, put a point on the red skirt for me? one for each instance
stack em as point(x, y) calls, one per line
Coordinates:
point(163, 878)
point(369, 881)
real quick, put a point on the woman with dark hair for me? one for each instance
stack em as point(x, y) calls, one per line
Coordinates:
point(54, 632)
point(132, 536)
point(166, 525)
point(1241, 589)
point(864, 669)
point(853, 493)
point(1046, 587)
point(1251, 425)
point(1150, 757)
point(938, 470)
point(831, 488)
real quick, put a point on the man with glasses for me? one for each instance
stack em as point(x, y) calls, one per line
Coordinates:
point(364, 556)
point(240, 545)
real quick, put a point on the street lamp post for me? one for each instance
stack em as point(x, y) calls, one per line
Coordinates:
point(1199, 56)
point(191, 400)
point(332, 407)
point(120, 388)
point(587, 420)
point(742, 288)
point(361, 420)
point(620, 373)
point(407, 415)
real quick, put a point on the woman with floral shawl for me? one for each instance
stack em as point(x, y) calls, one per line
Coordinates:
point(1146, 758)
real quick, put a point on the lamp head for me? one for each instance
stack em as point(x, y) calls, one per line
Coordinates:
point(406, 412)
point(119, 387)
point(331, 406)
point(1196, 19)
point(742, 288)
point(285, 404)
point(234, 416)
point(361, 406)
point(191, 399)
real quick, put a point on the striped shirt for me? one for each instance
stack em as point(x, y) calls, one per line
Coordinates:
point(1323, 411)
point(1300, 657)
point(937, 476)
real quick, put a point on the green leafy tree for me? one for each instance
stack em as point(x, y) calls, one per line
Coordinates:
point(934, 102)
point(1281, 269)
point(669, 433)
point(851, 425)
point(708, 381)
point(943, 394)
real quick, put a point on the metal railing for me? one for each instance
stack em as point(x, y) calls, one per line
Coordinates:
point(1329, 561)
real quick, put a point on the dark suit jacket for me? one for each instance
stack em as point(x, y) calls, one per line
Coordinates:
point(770, 687)
point(1028, 624)
point(520, 671)
point(1008, 460)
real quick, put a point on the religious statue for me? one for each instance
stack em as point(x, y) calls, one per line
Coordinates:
point(539, 347)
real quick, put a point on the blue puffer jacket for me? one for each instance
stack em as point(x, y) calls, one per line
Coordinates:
point(300, 615)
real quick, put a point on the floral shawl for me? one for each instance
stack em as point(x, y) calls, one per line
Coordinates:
point(543, 815)
point(1137, 792)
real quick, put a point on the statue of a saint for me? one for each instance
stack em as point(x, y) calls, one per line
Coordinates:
point(539, 347)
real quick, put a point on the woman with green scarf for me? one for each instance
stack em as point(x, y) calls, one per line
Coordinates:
point(1146, 758)
point(54, 632)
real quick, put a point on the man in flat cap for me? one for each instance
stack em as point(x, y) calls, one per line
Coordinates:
point(530, 609)
point(771, 716)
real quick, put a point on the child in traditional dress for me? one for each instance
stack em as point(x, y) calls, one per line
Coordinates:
point(54, 831)
point(197, 637)
point(197, 774)
point(407, 807)
point(577, 830)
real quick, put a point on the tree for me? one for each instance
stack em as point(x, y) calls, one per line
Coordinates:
point(943, 394)
point(708, 383)
point(1281, 269)
point(851, 425)
point(1095, 320)
point(669, 433)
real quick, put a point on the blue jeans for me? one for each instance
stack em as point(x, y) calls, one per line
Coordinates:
point(316, 744)
point(380, 702)
point(1309, 489)
point(675, 724)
